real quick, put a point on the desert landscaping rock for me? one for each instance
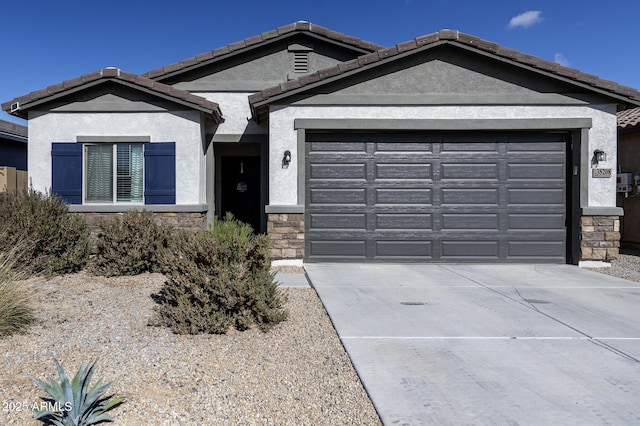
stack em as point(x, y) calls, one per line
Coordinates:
point(626, 266)
point(297, 374)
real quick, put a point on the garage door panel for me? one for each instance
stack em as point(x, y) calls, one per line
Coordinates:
point(338, 221)
point(536, 196)
point(338, 196)
point(403, 196)
point(536, 221)
point(477, 196)
point(469, 249)
point(402, 171)
point(538, 146)
point(522, 250)
point(469, 171)
point(453, 221)
point(354, 249)
point(342, 147)
point(388, 221)
point(436, 196)
point(398, 249)
point(395, 147)
point(535, 171)
point(338, 171)
point(458, 147)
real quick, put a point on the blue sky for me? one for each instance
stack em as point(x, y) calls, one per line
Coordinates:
point(47, 41)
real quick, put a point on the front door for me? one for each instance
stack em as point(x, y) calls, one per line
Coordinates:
point(240, 193)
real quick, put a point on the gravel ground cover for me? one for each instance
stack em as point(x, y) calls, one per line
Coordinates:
point(626, 266)
point(297, 374)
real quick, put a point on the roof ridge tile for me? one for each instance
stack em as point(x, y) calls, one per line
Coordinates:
point(426, 39)
point(369, 58)
point(261, 38)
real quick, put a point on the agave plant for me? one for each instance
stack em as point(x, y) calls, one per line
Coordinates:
point(75, 403)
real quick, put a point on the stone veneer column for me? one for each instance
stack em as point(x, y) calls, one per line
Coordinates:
point(286, 232)
point(599, 237)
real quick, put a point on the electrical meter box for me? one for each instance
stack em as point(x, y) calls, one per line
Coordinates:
point(625, 182)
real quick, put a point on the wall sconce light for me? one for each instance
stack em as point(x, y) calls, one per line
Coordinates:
point(599, 155)
point(286, 159)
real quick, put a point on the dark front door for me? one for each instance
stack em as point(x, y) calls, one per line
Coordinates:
point(241, 189)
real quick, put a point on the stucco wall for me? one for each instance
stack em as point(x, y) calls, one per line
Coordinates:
point(183, 128)
point(236, 112)
point(283, 182)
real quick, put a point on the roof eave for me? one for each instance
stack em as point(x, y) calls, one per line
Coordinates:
point(257, 106)
point(21, 110)
point(626, 99)
point(13, 137)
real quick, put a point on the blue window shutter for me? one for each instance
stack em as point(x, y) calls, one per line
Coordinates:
point(160, 173)
point(66, 171)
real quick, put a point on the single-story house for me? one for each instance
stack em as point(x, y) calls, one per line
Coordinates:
point(13, 145)
point(444, 148)
point(628, 196)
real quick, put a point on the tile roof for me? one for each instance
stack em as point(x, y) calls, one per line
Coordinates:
point(13, 129)
point(440, 37)
point(252, 42)
point(115, 74)
point(629, 118)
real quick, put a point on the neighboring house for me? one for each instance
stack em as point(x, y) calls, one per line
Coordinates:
point(13, 145)
point(629, 162)
point(445, 148)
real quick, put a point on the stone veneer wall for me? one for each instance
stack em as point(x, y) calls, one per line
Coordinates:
point(599, 237)
point(179, 220)
point(286, 232)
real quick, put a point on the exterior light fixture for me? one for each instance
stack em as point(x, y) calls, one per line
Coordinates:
point(286, 159)
point(599, 155)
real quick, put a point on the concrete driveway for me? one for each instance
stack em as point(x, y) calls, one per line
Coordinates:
point(494, 345)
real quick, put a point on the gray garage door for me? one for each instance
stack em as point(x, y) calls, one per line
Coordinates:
point(436, 196)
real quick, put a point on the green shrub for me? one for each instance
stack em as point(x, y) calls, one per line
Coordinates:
point(219, 279)
point(16, 312)
point(129, 244)
point(74, 403)
point(55, 241)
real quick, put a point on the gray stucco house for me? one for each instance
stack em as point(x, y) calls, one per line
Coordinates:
point(444, 148)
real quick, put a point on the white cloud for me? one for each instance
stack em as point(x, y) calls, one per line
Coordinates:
point(526, 19)
point(560, 59)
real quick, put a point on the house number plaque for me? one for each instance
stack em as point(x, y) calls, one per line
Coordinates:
point(601, 173)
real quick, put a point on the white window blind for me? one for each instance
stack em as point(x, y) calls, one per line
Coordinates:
point(99, 170)
point(129, 173)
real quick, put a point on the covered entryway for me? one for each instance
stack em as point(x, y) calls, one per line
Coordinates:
point(472, 196)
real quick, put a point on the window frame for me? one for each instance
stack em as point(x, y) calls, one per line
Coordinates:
point(114, 165)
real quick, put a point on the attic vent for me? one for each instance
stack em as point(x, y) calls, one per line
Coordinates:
point(301, 62)
point(300, 57)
